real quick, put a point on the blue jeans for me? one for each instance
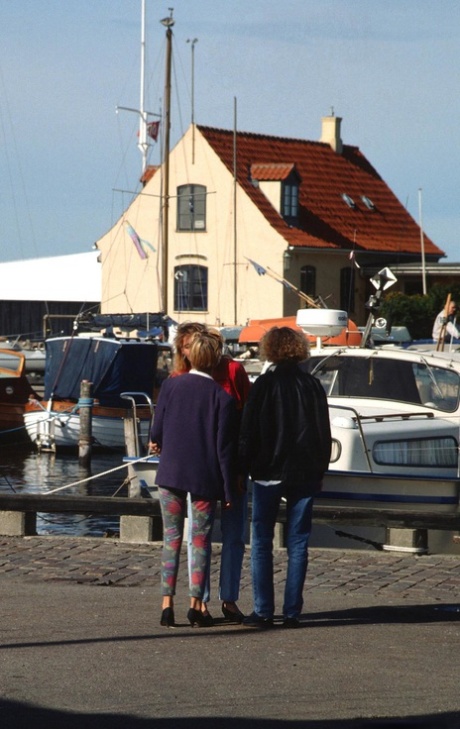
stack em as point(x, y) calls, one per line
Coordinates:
point(265, 504)
point(233, 527)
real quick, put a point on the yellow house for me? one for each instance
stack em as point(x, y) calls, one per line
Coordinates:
point(251, 221)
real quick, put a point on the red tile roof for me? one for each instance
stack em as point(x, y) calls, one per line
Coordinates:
point(325, 219)
point(271, 172)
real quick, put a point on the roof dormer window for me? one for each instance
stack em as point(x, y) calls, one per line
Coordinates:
point(290, 200)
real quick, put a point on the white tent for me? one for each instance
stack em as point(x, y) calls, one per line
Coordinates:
point(74, 277)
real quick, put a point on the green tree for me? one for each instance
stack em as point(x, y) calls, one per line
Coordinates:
point(417, 312)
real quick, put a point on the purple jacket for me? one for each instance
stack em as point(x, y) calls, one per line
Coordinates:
point(195, 426)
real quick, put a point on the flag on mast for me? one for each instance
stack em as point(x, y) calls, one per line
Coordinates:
point(152, 130)
point(287, 284)
point(260, 269)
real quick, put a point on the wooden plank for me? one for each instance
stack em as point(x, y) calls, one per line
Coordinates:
point(363, 516)
point(110, 506)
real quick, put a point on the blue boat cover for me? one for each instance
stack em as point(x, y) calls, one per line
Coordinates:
point(113, 366)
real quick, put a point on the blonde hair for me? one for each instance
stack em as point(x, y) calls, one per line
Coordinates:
point(283, 344)
point(205, 351)
point(181, 363)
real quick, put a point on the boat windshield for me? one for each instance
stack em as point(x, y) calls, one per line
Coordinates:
point(388, 379)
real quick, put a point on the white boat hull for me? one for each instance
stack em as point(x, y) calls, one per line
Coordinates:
point(144, 471)
point(55, 430)
point(376, 491)
point(390, 491)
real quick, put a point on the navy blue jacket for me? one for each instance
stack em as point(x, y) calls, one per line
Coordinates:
point(195, 426)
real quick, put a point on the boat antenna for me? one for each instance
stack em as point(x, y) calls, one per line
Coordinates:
point(143, 144)
point(192, 46)
point(422, 241)
point(235, 228)
point(146, 129)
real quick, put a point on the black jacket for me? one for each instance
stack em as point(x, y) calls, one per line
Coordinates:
point(285, 432)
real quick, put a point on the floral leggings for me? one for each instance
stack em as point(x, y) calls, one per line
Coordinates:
point(174, 510)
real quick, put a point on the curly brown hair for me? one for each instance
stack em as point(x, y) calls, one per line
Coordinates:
point(283, 344)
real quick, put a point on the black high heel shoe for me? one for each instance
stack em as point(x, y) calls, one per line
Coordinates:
point(167, 618)
point(232, 616)
point(196, 617)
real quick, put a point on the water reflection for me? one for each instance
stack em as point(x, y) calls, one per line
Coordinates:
point(23, 470)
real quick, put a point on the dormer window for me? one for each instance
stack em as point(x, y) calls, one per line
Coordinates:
point(280, 183)
point(290, 200)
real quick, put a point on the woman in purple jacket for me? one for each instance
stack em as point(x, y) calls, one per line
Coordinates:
point(194, 429)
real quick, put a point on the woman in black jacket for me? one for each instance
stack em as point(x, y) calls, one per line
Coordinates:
point(285, 446)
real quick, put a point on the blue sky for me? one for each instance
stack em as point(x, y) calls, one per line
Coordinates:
point(389, 68)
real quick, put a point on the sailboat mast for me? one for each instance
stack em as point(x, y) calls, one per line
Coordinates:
point(235, 228)
point(168, 22)
point(143, 144)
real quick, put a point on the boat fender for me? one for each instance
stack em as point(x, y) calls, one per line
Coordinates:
point(343, 422)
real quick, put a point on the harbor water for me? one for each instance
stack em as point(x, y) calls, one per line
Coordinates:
point(24, 470)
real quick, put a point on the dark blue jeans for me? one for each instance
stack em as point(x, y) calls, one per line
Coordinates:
point(265, 504)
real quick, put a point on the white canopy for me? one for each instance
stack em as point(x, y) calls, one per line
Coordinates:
point(74, 277)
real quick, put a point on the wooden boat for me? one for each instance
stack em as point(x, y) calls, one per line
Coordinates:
point(34, 353)
point(15, 391)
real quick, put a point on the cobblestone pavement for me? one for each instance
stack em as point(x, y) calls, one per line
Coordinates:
point(100, 561)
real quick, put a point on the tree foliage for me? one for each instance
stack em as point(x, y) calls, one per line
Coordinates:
point(417, 312)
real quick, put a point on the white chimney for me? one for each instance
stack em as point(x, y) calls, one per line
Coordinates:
point(330, 132)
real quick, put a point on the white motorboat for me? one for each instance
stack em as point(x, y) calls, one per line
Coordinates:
point(395, 421)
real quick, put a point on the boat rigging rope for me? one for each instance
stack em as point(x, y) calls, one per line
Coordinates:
point(104, 473)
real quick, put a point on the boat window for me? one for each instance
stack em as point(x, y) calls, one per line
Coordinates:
point(388, 379)
point(190, 288)
point(336, 451)
point(439, 387)
point(440, 452)
point(191, 207)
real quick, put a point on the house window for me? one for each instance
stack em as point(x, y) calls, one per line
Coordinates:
point(347, 289)
point(190, 288)
point(191, 207)
point(308, 280)
point(290, 201)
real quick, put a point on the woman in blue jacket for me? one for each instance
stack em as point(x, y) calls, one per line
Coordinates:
point(194, 430)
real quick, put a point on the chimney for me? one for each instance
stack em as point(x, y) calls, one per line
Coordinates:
point(330, 132)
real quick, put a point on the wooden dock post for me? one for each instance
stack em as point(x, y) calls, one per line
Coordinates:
point(85, 440)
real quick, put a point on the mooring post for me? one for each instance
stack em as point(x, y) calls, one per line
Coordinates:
point(85, 406)
point(132, 449)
